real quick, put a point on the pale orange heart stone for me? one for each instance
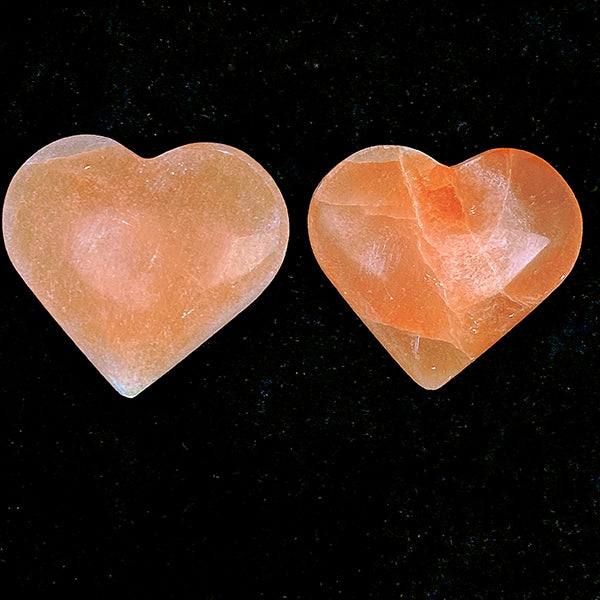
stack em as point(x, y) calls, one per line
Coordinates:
point(141, 260)
point(440, 262)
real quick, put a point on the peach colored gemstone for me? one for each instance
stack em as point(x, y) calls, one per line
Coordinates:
point(141, 260)
point(440, 262)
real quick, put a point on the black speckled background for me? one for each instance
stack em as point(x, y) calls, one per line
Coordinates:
point(290, 457)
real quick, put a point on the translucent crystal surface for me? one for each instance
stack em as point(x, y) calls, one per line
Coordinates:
point(141, 260)
point(440, 262)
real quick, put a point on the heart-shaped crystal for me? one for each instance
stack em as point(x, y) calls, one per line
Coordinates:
point(141, 260)
point(440, 262)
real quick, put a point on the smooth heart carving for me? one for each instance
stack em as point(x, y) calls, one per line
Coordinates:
point(141, 260)
point(440, 262)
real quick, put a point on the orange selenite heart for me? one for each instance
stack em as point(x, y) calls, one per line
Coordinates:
point(141, 260)
point(440, 262)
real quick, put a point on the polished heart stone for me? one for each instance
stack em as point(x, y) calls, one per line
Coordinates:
point(440, 262)
point(141, 260)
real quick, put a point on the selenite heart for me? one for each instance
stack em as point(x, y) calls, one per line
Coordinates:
point(440, 262)
point(141, 260)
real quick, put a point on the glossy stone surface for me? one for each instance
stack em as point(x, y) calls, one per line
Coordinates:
point(141, 260)
point(440, 262)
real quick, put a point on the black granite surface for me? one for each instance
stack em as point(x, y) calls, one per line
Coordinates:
point(290, 456)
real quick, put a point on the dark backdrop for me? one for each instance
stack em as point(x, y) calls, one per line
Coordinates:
point(290, 456)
